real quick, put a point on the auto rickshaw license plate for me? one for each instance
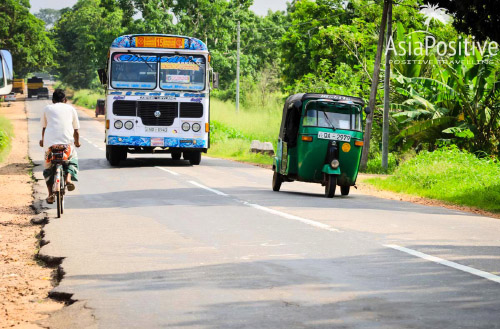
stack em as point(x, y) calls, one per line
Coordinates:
point(334, 136)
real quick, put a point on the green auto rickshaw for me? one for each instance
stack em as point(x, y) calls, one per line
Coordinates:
point(320, 141)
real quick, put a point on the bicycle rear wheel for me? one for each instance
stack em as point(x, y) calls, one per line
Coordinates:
point(59, 204)
point(62, 203)
point(62, 189)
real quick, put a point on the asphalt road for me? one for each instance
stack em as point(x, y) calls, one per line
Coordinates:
point(158, 243)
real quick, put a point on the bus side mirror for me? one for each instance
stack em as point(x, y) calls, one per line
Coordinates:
point(215, 80)
point(368, 110)
point(102, 76)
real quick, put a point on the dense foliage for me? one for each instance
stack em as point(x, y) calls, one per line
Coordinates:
point(476, 17)
point(24, 35)
point(83, 35)
point(49, 16)
point(314, 46)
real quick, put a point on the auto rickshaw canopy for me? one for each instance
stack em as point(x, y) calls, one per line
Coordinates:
point(292, 109)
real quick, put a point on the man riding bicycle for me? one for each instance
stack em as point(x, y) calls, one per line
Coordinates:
point(60, 132)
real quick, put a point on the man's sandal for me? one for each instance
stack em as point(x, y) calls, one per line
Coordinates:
point(50, 199)
point(70, 186)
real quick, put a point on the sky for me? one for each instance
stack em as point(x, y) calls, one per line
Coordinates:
point(259, 6)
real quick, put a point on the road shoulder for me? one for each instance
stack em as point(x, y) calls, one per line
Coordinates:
point(24, 280)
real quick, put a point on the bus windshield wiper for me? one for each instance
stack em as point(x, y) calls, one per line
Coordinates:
point(145, 62)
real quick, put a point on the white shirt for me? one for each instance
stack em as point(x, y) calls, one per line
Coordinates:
point(60, 121)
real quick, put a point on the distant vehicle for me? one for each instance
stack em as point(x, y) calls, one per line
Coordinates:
point(157, 98)
point(100, 107)
point(6, 72)
point(43, 93)
point(10, 97)
point(19, 86)
point(34, 84)
point(320, 141)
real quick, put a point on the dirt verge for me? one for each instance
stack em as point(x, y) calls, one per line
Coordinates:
point(24, 281)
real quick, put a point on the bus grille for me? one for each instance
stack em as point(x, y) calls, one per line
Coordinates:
point(157, 113)
point(191, 110)
point(124, 108)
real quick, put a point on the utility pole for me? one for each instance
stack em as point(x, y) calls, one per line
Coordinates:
point(387, 78)
point(238, 71)
point(373, 91)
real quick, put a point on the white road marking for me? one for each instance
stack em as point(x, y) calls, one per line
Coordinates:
point(100, 148)
point(208, 188)
point(445, 262)
point(289, 216)
point(169, 171)
point(272, 211)
point(271, 244)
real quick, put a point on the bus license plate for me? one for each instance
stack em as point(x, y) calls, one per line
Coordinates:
point(334, 136)
point(156, 129)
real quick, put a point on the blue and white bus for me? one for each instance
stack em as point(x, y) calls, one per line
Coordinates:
point(6, 72)
point(157, 97)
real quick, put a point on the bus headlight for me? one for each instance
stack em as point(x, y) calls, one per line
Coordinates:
point(129, 125)
point(335, 163)
point(118, 124)
point(196, 127)
point(185, 126)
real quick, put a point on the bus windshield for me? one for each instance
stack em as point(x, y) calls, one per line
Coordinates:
point(134, 71)
point(182, 72)
point(332, 114)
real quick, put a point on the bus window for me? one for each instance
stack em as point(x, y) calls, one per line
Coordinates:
point(134, 71)
point(182, 72)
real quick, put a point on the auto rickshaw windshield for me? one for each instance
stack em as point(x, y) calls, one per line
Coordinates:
point(326, 114)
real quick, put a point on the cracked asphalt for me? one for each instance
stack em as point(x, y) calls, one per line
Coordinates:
point(158, 243)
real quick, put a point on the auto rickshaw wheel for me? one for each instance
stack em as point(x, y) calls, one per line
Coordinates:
point(277, 180)
point(331, 185)
point(344, 189)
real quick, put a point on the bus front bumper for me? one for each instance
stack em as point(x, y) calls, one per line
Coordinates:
point(157, 141)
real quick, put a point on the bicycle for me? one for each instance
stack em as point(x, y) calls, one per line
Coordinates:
point(59, 164)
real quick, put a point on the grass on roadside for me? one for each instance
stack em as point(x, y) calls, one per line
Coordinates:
point(449, 175)
point(6, 135)
point(86, 98)
point(232, 133)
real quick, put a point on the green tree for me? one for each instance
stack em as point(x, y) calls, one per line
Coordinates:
point(25, 36)
point(477, 17)
point(49, 16)
point(83, 36)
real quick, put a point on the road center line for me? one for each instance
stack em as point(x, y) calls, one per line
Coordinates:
point(169, 171)
point(289, 216)
point(445, 262)
point(208, 188)
point(272, 211)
